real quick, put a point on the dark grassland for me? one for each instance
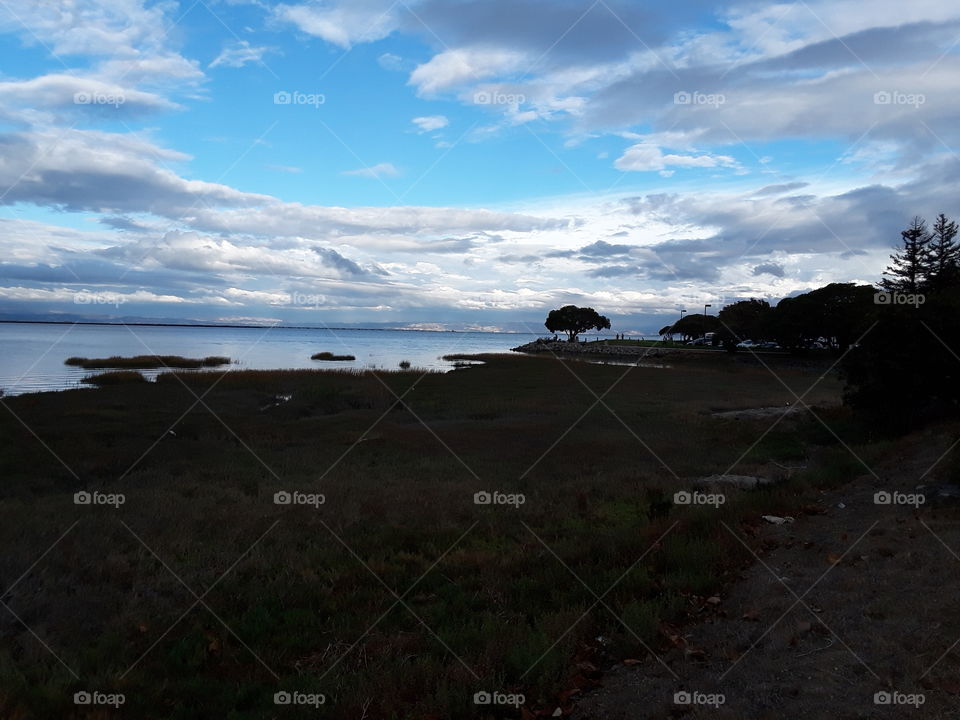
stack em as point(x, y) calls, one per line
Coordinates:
point(297, 598)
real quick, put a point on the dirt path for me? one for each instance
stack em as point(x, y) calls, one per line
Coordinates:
point(878, 611)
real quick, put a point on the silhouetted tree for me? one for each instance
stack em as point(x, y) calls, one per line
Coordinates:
point(942, 268)
point(908, 271)
point(574, 320)
point(747, 319)
point(839, 312)
point(903, 372)
point(694, 326)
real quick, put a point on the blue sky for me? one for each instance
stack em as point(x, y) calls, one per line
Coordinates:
point(462, 163)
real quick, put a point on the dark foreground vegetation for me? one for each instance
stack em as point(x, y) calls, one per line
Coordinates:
point(398, 542)
point(388, 589)
point(116, 377)
point(147, 362)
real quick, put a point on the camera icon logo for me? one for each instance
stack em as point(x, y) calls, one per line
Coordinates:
point(882, 498)
point(882, 298)
point(482, 498)
point(482, 698)
point(882, 98)
point(82, 498)
point(682, 98)
point(282, 698)
point(282, 498)
point(682, 497)
point(281, 98)
point(482, 98)
point(82, 698)
point(81, 98)
point(882, 698)
point(682, 697)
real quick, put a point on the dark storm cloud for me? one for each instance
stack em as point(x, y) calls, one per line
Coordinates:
point(609, 271)
point(770, 268)
point(602, 249)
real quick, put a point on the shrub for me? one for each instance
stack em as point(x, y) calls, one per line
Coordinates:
point(331, 356)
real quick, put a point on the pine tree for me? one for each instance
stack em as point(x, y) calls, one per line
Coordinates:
point(944, 260)
point(908, 271)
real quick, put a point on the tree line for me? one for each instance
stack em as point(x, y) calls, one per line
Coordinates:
point(898, 344)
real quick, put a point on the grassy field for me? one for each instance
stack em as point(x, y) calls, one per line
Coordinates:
point(382, 585)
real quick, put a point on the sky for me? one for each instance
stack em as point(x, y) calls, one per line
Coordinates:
point(462, 163)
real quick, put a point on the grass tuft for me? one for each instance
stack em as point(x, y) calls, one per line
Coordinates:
point(330, 356)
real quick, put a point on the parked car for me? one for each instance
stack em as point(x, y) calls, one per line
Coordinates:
point(747, 345)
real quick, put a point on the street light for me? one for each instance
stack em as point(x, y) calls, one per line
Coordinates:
point(705, 309)
point(681, 314)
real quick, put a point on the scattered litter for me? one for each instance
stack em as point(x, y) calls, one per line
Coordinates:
point(778, 520)
point(277, 401)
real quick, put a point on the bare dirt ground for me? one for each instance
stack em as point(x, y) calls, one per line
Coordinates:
point(859, 600)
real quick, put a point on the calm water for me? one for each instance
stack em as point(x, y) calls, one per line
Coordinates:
point(32, 355)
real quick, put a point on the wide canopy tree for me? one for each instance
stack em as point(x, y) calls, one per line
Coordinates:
point(747, 320)
point(574, 320)
point(839, 312)
point(693, 326)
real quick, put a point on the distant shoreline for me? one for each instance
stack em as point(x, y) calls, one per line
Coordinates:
point(249, 327)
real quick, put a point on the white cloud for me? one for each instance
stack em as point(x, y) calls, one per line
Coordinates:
point(379, 170)
point(342, 22)
point(61, 91)
point(119, 28)
point(389, 61)
point(239, 54)
point(429, 123)
point(644, 157)
point(453, 68)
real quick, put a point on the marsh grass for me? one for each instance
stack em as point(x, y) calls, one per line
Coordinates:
point(310, 600)
point(330, 356)
point(147, 362)
point(118, 377)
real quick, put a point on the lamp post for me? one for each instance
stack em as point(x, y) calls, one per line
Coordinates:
point(705, 309)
